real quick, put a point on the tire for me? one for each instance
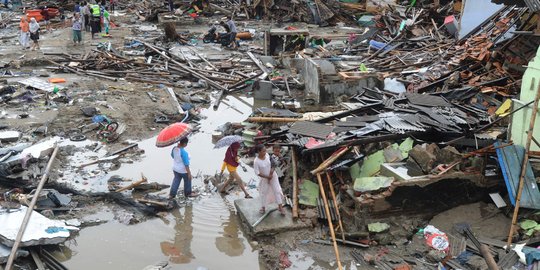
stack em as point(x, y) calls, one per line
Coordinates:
point(112, 126)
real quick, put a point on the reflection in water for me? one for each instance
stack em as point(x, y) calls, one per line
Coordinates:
point(230, 243)
point(179, 251)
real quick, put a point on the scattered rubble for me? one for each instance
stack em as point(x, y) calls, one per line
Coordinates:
point(403, 131)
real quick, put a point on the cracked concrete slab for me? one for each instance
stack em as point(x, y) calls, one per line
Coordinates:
point(40, 230)
point(248, 210)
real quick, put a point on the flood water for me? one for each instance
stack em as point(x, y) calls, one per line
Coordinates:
point(203, 233)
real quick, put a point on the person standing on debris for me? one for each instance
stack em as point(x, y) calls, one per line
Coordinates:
point(76, 26)
point(95, 20)
point(25, 32)
point(112, 3)
point(231, 163)
point(269, 188)
point(77, 8)
point(34, 33)
point(106, 21)
point(181, 170)
point(45, 14)
point(85, 10)
point(278, 160)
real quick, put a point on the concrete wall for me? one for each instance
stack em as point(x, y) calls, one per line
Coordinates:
point(522, 118)
point(330, 91)
point(310, 74)
point(323, 84)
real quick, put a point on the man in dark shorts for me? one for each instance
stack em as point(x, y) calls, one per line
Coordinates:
point(45, 14)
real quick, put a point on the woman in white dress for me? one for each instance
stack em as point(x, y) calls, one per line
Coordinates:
point(269, 188)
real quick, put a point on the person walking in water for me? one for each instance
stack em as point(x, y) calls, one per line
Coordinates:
point(25, 33)
point(34, 33)
point(269, 188)
point(181, 170)
point(231, 163)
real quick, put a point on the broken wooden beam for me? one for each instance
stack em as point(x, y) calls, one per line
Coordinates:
point(132, 185)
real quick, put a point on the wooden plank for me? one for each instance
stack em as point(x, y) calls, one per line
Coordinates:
point(511, 158)
point(39, 263)
point(175, 100)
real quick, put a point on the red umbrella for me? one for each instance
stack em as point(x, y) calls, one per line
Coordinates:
point(172, 134)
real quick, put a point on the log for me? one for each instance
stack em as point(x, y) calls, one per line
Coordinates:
point(143, 180)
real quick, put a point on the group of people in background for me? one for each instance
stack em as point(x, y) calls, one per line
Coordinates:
point(93, 18)
point(86, 17)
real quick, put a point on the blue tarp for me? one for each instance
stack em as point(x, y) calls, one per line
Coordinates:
point(510, 159)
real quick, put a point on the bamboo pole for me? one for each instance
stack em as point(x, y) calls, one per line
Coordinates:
point(30, 210)
point(329, 218)
point(330, 160)
point(523, 167)
point(295, 184)
point(335, 204)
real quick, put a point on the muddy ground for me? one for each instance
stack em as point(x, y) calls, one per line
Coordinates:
point(204, 231)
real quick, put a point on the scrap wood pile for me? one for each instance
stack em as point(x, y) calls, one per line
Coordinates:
point(5, 19)
point(417, 47)
point(157, 65)
point(437, 117)
point(317, 11)
point(144, 10)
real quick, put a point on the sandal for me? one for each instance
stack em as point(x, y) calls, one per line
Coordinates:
point(248, 197)
point(262, 211)
point(282, 212)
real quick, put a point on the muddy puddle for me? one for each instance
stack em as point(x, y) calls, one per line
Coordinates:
point(203, 233)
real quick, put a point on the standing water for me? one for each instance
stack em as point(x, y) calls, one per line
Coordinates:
point(203, 233)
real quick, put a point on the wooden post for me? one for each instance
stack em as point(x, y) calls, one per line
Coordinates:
point(329, 218)
point(295, 184)
point(30, 210)
point(523, 167)
point(332, 192)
